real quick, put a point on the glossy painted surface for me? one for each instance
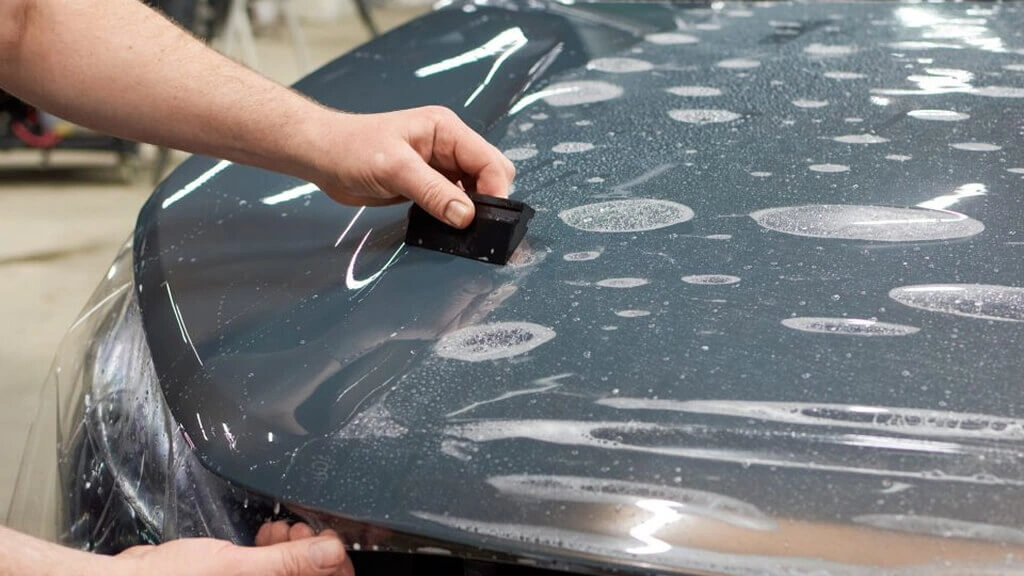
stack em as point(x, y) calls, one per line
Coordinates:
point(746, 334)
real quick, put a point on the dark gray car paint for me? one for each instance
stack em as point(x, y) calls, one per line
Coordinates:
point(333, 399)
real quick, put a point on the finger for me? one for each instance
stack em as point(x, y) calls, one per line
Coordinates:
point(136, 551)
point(431, 190)
point(300, 531)
point(458, 148)
point(352, 200)
point(322, 556)
point(263, 535)
point(278, 533)
point(346, 568)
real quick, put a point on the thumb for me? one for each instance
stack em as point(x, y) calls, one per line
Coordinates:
point(323, 556)
point(430, 189)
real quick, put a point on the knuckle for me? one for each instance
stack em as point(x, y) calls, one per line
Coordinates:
point(441, 114)
point(432, 195)
point(290, 563)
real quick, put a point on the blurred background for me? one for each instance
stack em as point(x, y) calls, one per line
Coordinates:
point(69, 198)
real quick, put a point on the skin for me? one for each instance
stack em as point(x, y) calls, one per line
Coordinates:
point(121, 68)
point(281, 550)
point(118, 67)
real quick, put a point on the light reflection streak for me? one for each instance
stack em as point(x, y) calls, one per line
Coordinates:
point(527, 100)
point(934, 81)
point(969, 31)
point(193, 185)
point(503, 46)
point(664, 514)
point(99, 305)
point(518, 40)
point(229, 436)
point(201, 427)
point(509, 395)
point(350, 281)
point(350, 225)
point(946, 201)
point(181, 323)
point(290, 194)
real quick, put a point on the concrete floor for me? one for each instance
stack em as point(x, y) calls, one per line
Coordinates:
point(60, 228)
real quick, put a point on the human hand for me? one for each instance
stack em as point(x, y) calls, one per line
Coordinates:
point(427, 155)
point(281, 550)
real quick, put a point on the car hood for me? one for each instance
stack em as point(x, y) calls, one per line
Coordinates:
point(767, 316)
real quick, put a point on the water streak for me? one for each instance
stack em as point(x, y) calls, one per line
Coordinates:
point(671, 38)
point(630, 215)
point(848, 326)
point(703, 116)
point(944, 527)
point(619, 65)
point(981, 301)
point(870, 223)
point(889, 419)
point(609, 491)
point(622, 282)
point(493, 341)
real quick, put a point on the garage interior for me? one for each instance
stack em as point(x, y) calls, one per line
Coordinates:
point(64, 214)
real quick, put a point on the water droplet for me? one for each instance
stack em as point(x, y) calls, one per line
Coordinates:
point(580, 92)
point(493, 341)
point(938, 115)
point(670, 38)
point(580, 256)
point(738, 63)
point(829, 168)
point(711, 279)
point(848, 326)
point(619, 65)
point(872, 223)
point(708, 116)
point(976, 146)
point(632, 313)
point(860, 139)
point(985, 301)
point(519, 154)
point(631, 215)
point(622, 282)
point(801, 103)
point(694, 91)
point(828, 50)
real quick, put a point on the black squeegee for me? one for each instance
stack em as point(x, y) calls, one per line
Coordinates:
point(496, 231)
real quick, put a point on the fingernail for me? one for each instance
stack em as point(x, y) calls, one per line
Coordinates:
point(456, 213)
point(327, 553)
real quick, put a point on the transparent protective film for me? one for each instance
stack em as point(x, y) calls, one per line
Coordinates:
point(34, 506)
point(105, 466)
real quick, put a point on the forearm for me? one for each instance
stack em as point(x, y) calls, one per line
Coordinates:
point(119, 67)
point(22, 555)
